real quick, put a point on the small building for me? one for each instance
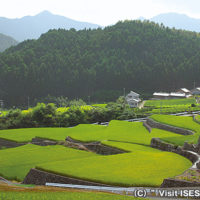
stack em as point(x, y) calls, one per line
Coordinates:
point(160, 95)
point(165, 95)
point(177, 95)
point(133, 99)
point(184, 90)
point(196, 91)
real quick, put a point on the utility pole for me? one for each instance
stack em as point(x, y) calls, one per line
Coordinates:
point(1, 104)
point(124, 92)
point(88, 100)
point(194, 84)
point(28, 102)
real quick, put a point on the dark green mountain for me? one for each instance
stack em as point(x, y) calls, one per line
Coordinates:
point(139, 56)
point(6, 42)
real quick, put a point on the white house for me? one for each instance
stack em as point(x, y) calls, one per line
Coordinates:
point(133, 99)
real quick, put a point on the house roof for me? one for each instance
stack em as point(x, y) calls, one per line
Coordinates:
point(196, 89)
point(177, 94)
point(133, 93)
point(185, 90)
point(172, 94)
point(134, 100)
point(164, 94)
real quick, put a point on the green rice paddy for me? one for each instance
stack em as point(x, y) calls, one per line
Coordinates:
point(142, 167)
point(182, 122)
point(129, 169)
point(170, 102)
point(16, 162)
point(117, 130)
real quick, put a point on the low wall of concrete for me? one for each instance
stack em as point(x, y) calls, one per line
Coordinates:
point(152, 123)
point(39, 177)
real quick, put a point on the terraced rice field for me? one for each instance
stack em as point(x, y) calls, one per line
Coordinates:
point(170, 102)
point(142, 166)
point(182, 122)
point(169, 106)
point(117, 130)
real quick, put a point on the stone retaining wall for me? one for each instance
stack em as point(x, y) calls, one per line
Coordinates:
point(95, 147)
point(158, 144)
point(39, 177)
point(170, 183)
point(147, 126)
point(166, 127)
point(43, 142)
point(9, 144)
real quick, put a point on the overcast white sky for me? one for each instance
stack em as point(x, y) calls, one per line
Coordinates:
point(102, 12)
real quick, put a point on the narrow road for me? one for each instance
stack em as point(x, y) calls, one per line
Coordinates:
point(141, 104)
point(150, 193)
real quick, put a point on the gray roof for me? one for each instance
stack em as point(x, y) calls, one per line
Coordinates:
point(133, 93)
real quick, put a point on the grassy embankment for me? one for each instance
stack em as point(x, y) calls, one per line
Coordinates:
point(8, 192)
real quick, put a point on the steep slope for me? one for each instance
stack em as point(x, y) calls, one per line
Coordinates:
point(135, 55)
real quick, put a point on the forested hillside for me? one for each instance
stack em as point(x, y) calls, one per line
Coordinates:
point(139, 56)
point(6, 42)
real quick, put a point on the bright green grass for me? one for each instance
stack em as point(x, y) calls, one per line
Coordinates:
point(117, 130)
point(174, 109)
point(182, 122)
point(3, 113)
point(26, 135)
point(61, 195)
point(135, 168)
point(16, 162)
point(143, 167)
point(100, 105)
point(170, 102)
point(62, 109)
point(197, 117)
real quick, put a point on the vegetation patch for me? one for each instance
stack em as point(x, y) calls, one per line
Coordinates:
point(100, 105)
